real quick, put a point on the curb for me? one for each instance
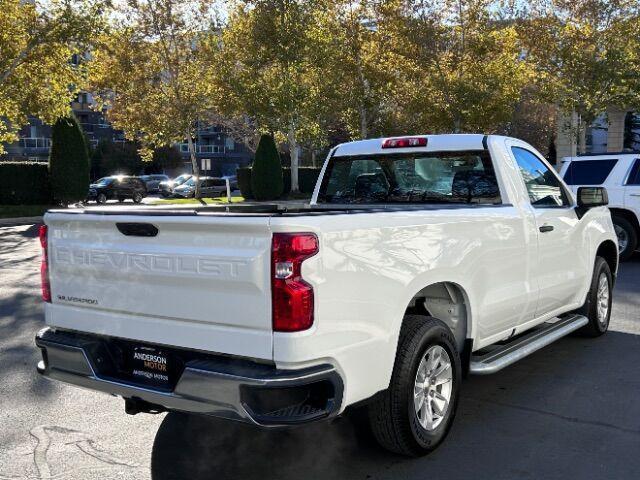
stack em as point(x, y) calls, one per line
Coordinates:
point(5, 222)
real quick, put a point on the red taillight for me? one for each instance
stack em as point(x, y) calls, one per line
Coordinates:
point(44, 265)
point(404, 142)
point(292, 297)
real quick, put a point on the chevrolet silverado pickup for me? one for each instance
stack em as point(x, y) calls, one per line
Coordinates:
point(417, 261)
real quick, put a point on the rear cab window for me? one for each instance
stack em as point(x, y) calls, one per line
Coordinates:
point(589, 172)
point(465, 177)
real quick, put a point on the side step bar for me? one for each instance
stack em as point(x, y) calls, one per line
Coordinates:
point(520, 347)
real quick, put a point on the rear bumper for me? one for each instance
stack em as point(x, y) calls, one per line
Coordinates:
point(236, 389)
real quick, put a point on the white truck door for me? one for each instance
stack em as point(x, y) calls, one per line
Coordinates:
point(562, 254)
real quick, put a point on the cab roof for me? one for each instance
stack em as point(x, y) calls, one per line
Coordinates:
point(435, 143)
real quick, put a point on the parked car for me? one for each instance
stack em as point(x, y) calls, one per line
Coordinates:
point(117, 187)
point(152, 182)
point(233, 182)
point(166, 187)
point(418, 259)
point(209, 187)
point(619, 173)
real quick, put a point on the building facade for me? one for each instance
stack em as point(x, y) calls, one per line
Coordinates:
point(217, 153)
point(617, 130)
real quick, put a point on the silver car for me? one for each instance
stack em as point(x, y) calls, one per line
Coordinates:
point(153, 181)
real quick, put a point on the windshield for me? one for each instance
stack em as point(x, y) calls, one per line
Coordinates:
point(181, 179)
point(438, 177)
point(191, 182)
point(105, 181)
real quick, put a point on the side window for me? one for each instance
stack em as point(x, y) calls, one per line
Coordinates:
point(634, 175)
point(589, 172)
point(543, 186)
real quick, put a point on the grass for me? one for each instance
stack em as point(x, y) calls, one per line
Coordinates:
point(14, 211)
point(193, 201)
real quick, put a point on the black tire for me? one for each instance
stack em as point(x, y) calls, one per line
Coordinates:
point(101, 199)
point(121, 199)
point(631, 236)
point(137, 197)
point(597, 326)
point(392, 414)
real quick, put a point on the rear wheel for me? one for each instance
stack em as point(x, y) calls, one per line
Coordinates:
point(413, 416)
point(597, 306)
point(627, 236)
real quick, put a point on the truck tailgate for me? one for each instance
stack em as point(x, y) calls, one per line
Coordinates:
point(201, 282)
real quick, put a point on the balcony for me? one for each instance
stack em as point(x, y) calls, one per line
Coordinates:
point(184, 148)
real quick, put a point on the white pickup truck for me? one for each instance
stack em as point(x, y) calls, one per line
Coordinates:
point(418, 260)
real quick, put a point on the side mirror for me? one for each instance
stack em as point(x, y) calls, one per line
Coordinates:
point(589, 197)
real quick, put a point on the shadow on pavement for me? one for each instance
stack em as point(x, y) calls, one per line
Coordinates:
point(568, 411)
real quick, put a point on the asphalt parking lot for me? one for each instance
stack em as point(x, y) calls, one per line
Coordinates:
point(571, 410)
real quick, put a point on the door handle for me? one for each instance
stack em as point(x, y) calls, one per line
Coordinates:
point(546, 228)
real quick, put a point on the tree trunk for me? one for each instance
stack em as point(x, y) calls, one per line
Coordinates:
point(194, 164)
point(456, 124)
point(364, 131)
point(294, 150)
point(582, 136)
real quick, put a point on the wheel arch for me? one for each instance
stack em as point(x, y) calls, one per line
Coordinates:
point(628, 215)
point(447, 301)
point(609, 251)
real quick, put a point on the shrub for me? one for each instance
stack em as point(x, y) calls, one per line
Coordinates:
point(244, 182)
point(266, 173)
point(307, 178)
point(24, 183)
point(68, 162)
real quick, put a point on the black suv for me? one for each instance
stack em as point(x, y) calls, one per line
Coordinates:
point(117, 187)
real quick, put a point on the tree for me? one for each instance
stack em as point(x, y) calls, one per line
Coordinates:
point(37, 41)
point(270, 64)
point(150, 72)
point(266, 173)
point(533, 120)
point(582, 65)
point(68, 162)
point(465, 68)
point(110, 158)
point(365, 63)
point(166, 158)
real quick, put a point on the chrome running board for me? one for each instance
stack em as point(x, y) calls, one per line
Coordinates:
point(521, 346)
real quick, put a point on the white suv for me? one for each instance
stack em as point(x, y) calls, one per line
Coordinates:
point(619, 173)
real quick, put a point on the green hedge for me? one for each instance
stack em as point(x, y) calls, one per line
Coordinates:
point(68, 162)
point(266, 172)
point(244, 182)
point(24, 183)
point(307, 178)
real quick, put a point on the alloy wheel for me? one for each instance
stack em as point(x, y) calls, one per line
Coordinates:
point(602, 298)
point(623, 237)
point(433, 387)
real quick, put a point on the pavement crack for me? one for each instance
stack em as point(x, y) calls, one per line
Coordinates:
point(88, 447)
point(40, 452)
point(561, 417)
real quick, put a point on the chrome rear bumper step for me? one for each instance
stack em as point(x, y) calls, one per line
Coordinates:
point(520, 347)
